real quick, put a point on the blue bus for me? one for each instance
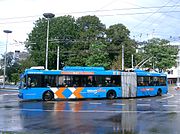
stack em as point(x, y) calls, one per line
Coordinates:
point(75, 82)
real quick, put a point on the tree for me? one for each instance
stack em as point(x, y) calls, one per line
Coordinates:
point(74, 38)
point(98, 55)
point(15, 77)
point(86, 41)
point(90, 30)
point(26, 63)
point(118, 35)
point(62, 31)
point(161, 54)
point(9, 59)
point(12, 66)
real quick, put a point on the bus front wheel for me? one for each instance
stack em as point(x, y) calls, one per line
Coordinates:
point(111, 94)
point(48, 96)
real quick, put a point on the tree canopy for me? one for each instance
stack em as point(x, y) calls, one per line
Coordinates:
point(160, 53)
point(86, 41)
point(76, 38)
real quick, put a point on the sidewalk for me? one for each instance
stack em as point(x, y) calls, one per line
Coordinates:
point(9, 87)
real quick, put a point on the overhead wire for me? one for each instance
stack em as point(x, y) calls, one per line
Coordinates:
point(146, 28)
point(93, 11)
point(158, 10)
point(101, 10)
point(103, 15)
point(159, 18)
point(108, 4)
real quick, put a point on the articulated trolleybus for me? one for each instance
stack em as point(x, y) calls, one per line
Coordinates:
point(90, 82)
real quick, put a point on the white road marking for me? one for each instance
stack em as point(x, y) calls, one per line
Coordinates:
point(9, 101)
point(171, 96)
point(95, 103)
point(71, 102)
point(8, 94)
point(13, 94)
point(143, 105)
point(175, 94)
point(118, 104)
point(9, 90)
point(173, 101)
point(3, 94)
point(170, 105)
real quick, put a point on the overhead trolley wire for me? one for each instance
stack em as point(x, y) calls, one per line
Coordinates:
point(103, 15)
point(157, 19)
point(95, 11)
point(157, 11)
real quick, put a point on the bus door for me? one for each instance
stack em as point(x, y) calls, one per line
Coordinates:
point(129, 84)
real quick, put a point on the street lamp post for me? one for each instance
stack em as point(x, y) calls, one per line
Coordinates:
point(48, 16)
point(7, 32)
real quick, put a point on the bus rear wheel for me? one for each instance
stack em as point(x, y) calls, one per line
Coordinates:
point(111, 94)
point(159, 92)
point(48, 96)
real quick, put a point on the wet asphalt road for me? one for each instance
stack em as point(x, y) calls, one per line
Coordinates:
point(150, 115)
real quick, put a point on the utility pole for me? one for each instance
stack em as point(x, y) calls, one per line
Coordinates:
point(5, 61)
point(58, 57)
point(178, 65)
point(132, 59)
point(122, 57)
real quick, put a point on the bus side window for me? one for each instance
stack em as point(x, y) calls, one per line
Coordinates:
point(47, 83)
point(151, 83)
point(32, 82)
point(89, 83)
point(113, 83)
point(140, 81)
point(162, 81)
point(28, 82)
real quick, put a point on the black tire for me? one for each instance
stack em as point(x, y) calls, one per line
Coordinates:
point(48, 96)
point(159, 92)
point(111, 94)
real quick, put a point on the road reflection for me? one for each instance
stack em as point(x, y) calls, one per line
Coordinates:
point(81, 116)
point(124, 116)
point(126, 122)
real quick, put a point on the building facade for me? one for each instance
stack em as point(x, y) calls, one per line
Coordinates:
point(173, 74)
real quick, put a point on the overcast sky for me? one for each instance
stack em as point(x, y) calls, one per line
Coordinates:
point(144, 18)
